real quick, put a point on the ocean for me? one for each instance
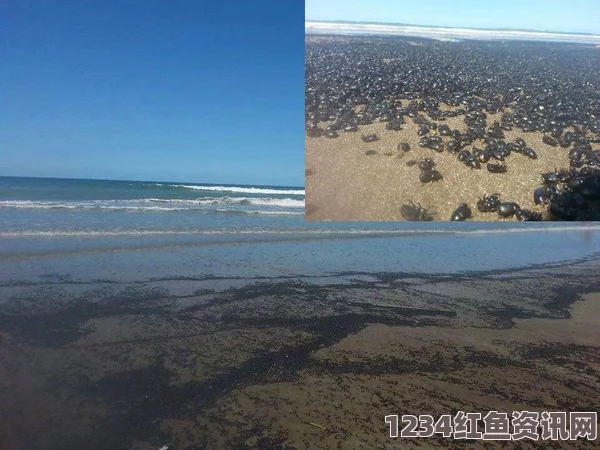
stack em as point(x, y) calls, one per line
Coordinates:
point(114, 228)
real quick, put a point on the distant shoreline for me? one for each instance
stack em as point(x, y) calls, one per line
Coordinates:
point(400, 24)
point(445, 33)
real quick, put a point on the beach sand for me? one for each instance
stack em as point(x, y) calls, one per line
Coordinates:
point(344, 183)
point(288, 364)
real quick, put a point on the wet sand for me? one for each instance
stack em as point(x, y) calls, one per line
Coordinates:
point(288, 364)
point(344, 183)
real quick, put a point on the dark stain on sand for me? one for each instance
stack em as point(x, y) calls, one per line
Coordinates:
point(139, 398)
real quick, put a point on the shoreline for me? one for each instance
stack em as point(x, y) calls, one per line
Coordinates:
point(188, 363)
point(445, 33)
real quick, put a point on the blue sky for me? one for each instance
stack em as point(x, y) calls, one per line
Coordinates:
point(581, 16)
point(175, 90)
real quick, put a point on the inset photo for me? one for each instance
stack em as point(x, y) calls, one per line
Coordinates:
point(432, 123)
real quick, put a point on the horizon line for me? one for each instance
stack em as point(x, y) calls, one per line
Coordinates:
point(156, 181)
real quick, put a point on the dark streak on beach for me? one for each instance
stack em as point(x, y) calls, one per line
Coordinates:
point(137, 366)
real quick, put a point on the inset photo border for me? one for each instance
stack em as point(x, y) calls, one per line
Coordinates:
point(409, 128)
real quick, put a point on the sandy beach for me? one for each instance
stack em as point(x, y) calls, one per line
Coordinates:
point(200, 363)
point(344, 183)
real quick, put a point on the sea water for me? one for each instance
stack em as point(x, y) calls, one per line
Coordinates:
point(95, 229)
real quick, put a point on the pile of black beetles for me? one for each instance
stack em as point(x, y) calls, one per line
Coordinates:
point(548, 88)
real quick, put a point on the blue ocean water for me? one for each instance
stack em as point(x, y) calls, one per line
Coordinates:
point(111, 228)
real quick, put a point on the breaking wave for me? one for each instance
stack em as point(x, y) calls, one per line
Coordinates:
point(241, 190)
point(154, 204)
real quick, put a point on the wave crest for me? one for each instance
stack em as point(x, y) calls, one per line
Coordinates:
point(154, 204)
point(241, 190)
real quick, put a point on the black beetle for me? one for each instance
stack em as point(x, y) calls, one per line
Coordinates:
point(369, 137)
point(461, 213)
point(496, 168)
point(404, 146)
point(413, 212)
point(508, 209)
point(489, 203)
point(525, 215)
point(549, 141)
point(428, 176)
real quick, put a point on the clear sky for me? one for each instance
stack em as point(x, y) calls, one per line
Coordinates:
point(173, 90)
point(582, 16)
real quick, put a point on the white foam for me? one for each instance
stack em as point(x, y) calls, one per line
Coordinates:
point(242, 190)
point(261, 212)
point(263, 201)
point(535, 229)
point(91, 205)
point(319, 231)
point(154, 204)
